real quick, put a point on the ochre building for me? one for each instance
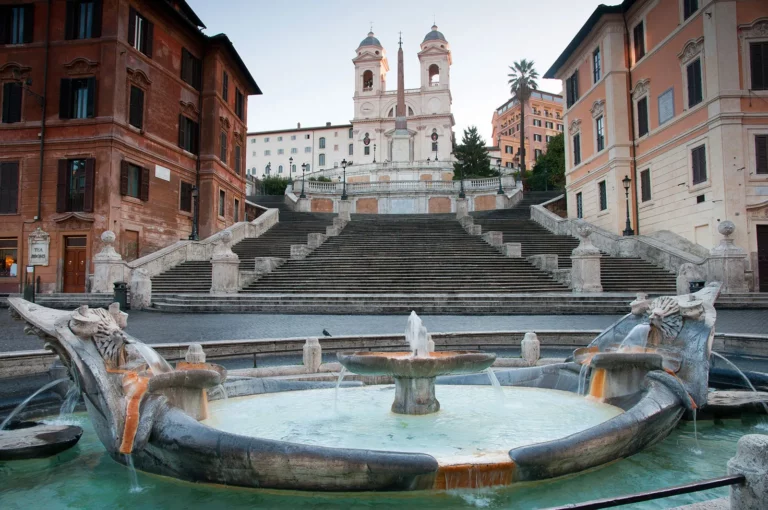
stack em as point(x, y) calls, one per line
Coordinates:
point(114, 114)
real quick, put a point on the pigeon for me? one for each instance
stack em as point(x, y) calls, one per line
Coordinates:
point(325, 332)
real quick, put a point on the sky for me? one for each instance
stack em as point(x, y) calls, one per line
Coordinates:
point(300, 51)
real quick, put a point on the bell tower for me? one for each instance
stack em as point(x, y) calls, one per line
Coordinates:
point(371, 67)
point(435, 59)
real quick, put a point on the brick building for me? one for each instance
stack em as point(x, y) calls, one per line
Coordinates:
point(113, 112)
point(543, 120)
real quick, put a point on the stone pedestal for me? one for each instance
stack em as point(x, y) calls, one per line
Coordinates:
point(728, 262)
point(546, 262)
point(345, 206)
point(751, 460)
point(585, 268)
point(264, 265)
point(415, 396)
point(475, 230)
point(332, 231)
point(401, 145)
point(299, 251)
point(462, 208)
point(686, 274)
point(314, 240)
point(494, 238)
point(512, 250)
point(312, 355)
point(303, 204)
point(530, 348)
point(141, 289)
point(108, 266)
point(226, 267)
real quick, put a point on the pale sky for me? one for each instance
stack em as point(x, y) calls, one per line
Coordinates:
point(300, 52)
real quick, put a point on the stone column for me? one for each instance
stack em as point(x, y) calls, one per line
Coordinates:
point(303, 205)
point(462, 208)
point(345, 206)
point(312, 355)
point(226, 266)
point(530, 348)
point(108, 266)
point(728, 262)
point(751, 460)
point(585, 269)
point(141, 289)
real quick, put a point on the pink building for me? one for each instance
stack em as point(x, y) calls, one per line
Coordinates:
point(674, 95)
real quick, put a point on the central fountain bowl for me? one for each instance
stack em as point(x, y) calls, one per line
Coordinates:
point(415, 375)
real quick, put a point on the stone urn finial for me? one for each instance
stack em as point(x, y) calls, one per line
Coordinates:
point(195, 354)
point(584, 230)
point(223, 249)
point(726, 228)
point(108, 249)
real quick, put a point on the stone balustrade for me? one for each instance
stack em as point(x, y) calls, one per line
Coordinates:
point(363, 188)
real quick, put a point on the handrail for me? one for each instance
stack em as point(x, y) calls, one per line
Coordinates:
point(357, 188)
point(687, 488)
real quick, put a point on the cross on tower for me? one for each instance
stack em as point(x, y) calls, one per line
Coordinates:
point(401, 39)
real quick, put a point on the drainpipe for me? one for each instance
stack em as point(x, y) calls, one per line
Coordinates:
point(196, 212)
point(631, 123)
point(42, 121)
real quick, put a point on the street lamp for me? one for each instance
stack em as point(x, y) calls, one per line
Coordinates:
point(461, 181)
point(290, 167)
point(374, 153)
point(628, 230)
point(344, 167)
point(498, 169)
point(195, 194)
point(303, 170)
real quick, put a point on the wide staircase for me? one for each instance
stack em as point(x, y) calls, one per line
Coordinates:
point(618, 274)
point(195, 276)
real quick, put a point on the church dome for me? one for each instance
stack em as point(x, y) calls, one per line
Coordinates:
point(370, 41)
point(434, 35)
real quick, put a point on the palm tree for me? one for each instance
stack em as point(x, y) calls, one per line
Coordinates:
point(522, 81)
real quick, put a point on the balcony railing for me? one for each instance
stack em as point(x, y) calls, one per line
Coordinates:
point(362, 188)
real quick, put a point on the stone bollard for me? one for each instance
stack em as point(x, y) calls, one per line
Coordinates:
point(530, 348)
point(585, 267)
point(225, 277)
point(512, 250)
point(141, 289)
point(494, 238)
point(462, 208)
point(314, 240)
point(108, 266)
point(546, 262)
point(728, 262)
point(312, 355)
point(332, 231)
point(264, 265)
point(195, 354)
point(751, 460)
point(430, 343)
point(300, 251)
point(475, 230)
point(345, 206)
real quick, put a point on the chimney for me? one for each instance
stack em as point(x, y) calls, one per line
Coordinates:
point(298, 125)
point(328, 124)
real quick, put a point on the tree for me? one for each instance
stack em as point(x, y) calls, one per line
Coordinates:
point(471, 157)
point(274, 185)
point(522, 81)
point(549, 170)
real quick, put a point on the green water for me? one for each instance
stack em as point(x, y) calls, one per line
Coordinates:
point(85, 477)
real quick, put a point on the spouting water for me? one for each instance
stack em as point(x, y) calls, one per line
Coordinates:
point(743, 376)
point(342, 373)
point(156, 363)
point(70, 400)
point(416, 336)
point(583, 373)
point(697, 450)
point(220, 389)
point(495, 382)
point(637, 337)
point(21, 406)
point(134, 479)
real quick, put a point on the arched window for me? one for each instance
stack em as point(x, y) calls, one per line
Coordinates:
point(321, 159)
point(351, 148)
point(322, 142)
point(368, 80)
point(293, 168)
point(266, 170)
point(410, 111)
point(350, 133)
point(391, 112)
point(434, 75)
point(280, 169)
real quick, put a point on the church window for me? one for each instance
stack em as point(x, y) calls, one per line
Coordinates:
point(391, 112)
point(434, 75)
point(367, 150)
point(434, 146)
point(410, 111)
point(367, 80)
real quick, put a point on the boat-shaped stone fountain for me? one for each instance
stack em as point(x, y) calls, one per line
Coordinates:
point(624, 392)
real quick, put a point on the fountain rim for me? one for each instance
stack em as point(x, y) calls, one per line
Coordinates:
point(406, 364)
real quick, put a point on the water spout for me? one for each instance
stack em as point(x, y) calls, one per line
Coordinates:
point(636, 338)
point(416, 336)
point(70, 400)
point(583, 373)
point(220, 389)
point(342, 373)
point(156, 363)
point(733, 366)
point(495, 383)
point(21, 406)
point(134, 479)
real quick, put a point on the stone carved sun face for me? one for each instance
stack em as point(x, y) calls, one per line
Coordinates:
point(664, 315)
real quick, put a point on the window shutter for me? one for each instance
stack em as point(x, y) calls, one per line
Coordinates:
point(29, 22)
point(758, 63)
point(149, 37)
point(96, 26)
point(195, 127)
point(9, 187)
point(642, 116)
point(691, 85)
point(90, 178)
point(123, 177)
point(761, 154)
point(186, 197)
point(132, 26)
point(6, 101)
point(91, 98)
point(185, 74)
point(61, 187)
point(181, 131)
point(69, 28)
point(144, 191)
point(136, 112)
point(576, 86)
point(65, 99)
point(225, 87)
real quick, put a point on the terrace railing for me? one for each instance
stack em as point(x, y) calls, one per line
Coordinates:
point(362, 188)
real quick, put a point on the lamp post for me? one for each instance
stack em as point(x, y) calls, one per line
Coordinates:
point(303, 170)
point(195, 194)
point(498, 169)
point(461, 182)
point(374, 153)
point(628, 230)
point(344, 167)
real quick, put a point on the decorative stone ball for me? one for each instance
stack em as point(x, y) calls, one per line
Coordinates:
point(195, 354)
point(583, 229)
point(108, 237)
point(726, 228)
point(226, 237)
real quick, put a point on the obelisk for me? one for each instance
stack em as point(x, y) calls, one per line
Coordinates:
point(401, 138)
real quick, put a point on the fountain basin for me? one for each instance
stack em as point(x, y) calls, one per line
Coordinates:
point(32, 440)
point(415, 375)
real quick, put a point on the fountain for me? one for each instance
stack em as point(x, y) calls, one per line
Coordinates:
point(642, 374)
point(415, 371)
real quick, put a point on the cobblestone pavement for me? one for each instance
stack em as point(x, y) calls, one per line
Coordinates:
point(153, 327)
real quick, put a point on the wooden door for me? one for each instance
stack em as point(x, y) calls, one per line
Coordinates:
point(762, 256)
point(75, 268)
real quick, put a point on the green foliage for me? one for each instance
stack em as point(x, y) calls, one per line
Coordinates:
point(522, 79)
point(274, 185)
point(322, 178)
point(472, 157)
point(549, 170)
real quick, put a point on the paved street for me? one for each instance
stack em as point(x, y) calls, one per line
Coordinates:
point(152, 327)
